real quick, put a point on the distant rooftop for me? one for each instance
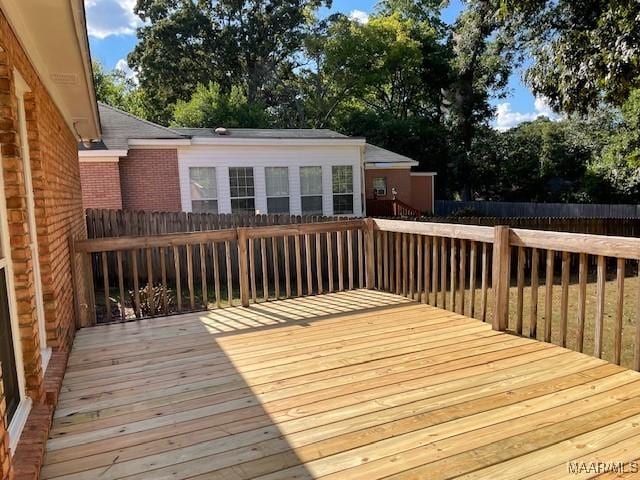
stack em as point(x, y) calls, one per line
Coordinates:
point(284, 133)
point(119, 126)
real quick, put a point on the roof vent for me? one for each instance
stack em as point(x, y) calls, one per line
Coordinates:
point(222, 131)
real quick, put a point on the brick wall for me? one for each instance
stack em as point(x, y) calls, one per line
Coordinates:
point(5, 457)
point(149, 180)
point(396, 178)
point(101, 185)
point(58, 208)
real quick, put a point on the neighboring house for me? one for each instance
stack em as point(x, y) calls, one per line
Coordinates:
point(47, 104)
point(139, 165)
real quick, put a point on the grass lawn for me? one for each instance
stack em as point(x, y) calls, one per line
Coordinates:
point(629, 322)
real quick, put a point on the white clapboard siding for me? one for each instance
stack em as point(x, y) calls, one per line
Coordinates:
point(259, 157)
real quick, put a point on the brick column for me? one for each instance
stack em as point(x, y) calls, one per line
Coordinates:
point(19, 231)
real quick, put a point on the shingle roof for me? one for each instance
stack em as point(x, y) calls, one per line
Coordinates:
point(373, 154)
point(119, 126)
point(285, 133)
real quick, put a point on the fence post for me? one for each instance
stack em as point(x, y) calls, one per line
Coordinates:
point(242, 266)
point(500, 277)
point(370, 247)
point(83, 288)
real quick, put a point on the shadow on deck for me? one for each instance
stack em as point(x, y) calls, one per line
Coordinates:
point(351, 385)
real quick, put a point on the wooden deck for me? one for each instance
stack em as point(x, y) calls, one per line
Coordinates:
point(352, 385)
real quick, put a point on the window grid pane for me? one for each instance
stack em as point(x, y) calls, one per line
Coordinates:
point(277, 180)
point(243, 205)
point(343, 204)
point(311, 180)
point(204, 206)
point(312, 205)
point(342, 179)
point(241, 182)
point(278, 205)
point(203, 183)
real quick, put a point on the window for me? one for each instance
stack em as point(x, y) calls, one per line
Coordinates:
point(242, 190)
point(204, 192)
point(342, 189)
point(277, 179)
point(380, 186)
point(311, 190)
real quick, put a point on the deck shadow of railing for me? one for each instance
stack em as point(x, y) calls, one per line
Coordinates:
point(197, 398)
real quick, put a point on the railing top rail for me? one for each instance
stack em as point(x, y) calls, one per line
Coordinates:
point(302, 228)
point(193, 238)
point(450, 230)
point(607, 246)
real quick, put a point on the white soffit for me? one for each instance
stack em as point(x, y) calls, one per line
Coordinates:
point(54, 36)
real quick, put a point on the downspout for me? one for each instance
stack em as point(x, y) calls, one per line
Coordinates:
point(363, 193)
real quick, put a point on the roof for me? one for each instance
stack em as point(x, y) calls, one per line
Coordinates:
point(59, 53)
point(118, 127)
point(378, 156)
point(284, 133)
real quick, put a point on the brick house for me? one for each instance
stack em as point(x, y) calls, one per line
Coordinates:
point(139, 165)
point(47, 104)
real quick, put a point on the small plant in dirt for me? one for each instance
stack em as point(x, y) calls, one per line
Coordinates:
point(152, 300)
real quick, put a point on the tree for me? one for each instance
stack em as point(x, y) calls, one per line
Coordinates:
point(209, 107)
point(584, 51)
point(251, 44)
point(481, 65)
point(115, 89)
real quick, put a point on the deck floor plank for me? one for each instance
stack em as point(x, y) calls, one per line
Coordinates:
point(349, 385)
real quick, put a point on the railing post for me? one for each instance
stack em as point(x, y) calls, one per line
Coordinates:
point(243, 266)
point(83, 288)
point(500, 277)
point(369, 253)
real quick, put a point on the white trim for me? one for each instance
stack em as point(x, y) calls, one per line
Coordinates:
point(159, 143)
point(31, 210)
point(5, 243)
point(18, 422)
point(45, 355)
point(89, 155)
point(280, 142)
point(390, 166)
point(423, 174)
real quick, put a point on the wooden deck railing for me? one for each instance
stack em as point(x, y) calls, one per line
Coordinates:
point(137, 277)
point(448, 265)
point(500, 275)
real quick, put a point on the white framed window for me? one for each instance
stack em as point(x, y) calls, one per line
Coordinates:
point(380, 186)
point(342, 177)
point(242, 185)
point(311, 190)
point(204, 190)
point(277, 183)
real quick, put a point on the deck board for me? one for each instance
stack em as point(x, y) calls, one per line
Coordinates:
point(351, 385)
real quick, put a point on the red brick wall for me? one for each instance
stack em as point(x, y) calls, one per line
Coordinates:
point(101, 185)
point(422, 193)
point(149, 180)
point(398, 178)
point(58, 205)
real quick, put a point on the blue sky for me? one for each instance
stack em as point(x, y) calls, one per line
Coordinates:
point(112, 24)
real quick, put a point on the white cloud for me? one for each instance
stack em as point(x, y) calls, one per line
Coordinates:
point(506, 118)
point(359, 16)
point(124, 67)
point(111, 17)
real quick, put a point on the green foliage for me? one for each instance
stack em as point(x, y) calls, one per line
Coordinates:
point(115, 89)
point(583, 51)
point(410, 83)
point(210, 107)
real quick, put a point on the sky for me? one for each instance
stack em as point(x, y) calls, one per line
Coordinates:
point(112, 23)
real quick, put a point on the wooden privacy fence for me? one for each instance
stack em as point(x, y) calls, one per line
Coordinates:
point(506, 276)
point(537, 209)
point(105, 223)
